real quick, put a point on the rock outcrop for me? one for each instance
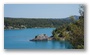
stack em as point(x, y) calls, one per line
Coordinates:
point(41, 37)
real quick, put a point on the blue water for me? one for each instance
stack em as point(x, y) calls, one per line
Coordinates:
point(19, 39)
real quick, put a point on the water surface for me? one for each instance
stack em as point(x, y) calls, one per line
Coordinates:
point(19, 39)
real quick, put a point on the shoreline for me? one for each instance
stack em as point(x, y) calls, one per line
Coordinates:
point(29, 28)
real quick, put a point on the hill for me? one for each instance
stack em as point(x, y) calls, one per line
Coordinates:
point(73, 32)
point(11, 23)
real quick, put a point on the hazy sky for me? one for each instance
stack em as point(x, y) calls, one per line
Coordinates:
point(40, 10)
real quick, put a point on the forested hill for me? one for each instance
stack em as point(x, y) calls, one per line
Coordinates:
point(34, 22)
point(74, 33)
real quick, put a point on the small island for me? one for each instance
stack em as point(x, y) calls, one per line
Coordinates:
point(41, 37)
point(44, 37)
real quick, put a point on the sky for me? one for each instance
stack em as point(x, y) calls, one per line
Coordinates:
point(40, 10)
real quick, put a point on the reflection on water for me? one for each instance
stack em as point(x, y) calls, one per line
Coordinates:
point(52, 44)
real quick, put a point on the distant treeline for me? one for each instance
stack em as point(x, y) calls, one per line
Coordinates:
point(34, 22)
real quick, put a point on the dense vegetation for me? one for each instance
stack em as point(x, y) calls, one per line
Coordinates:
point(32, 22)
point(73, 32)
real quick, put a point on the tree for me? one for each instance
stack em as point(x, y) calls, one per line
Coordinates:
point(72, 18)
point(81, 10)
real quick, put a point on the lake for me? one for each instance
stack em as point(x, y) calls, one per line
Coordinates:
point(19, 39)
